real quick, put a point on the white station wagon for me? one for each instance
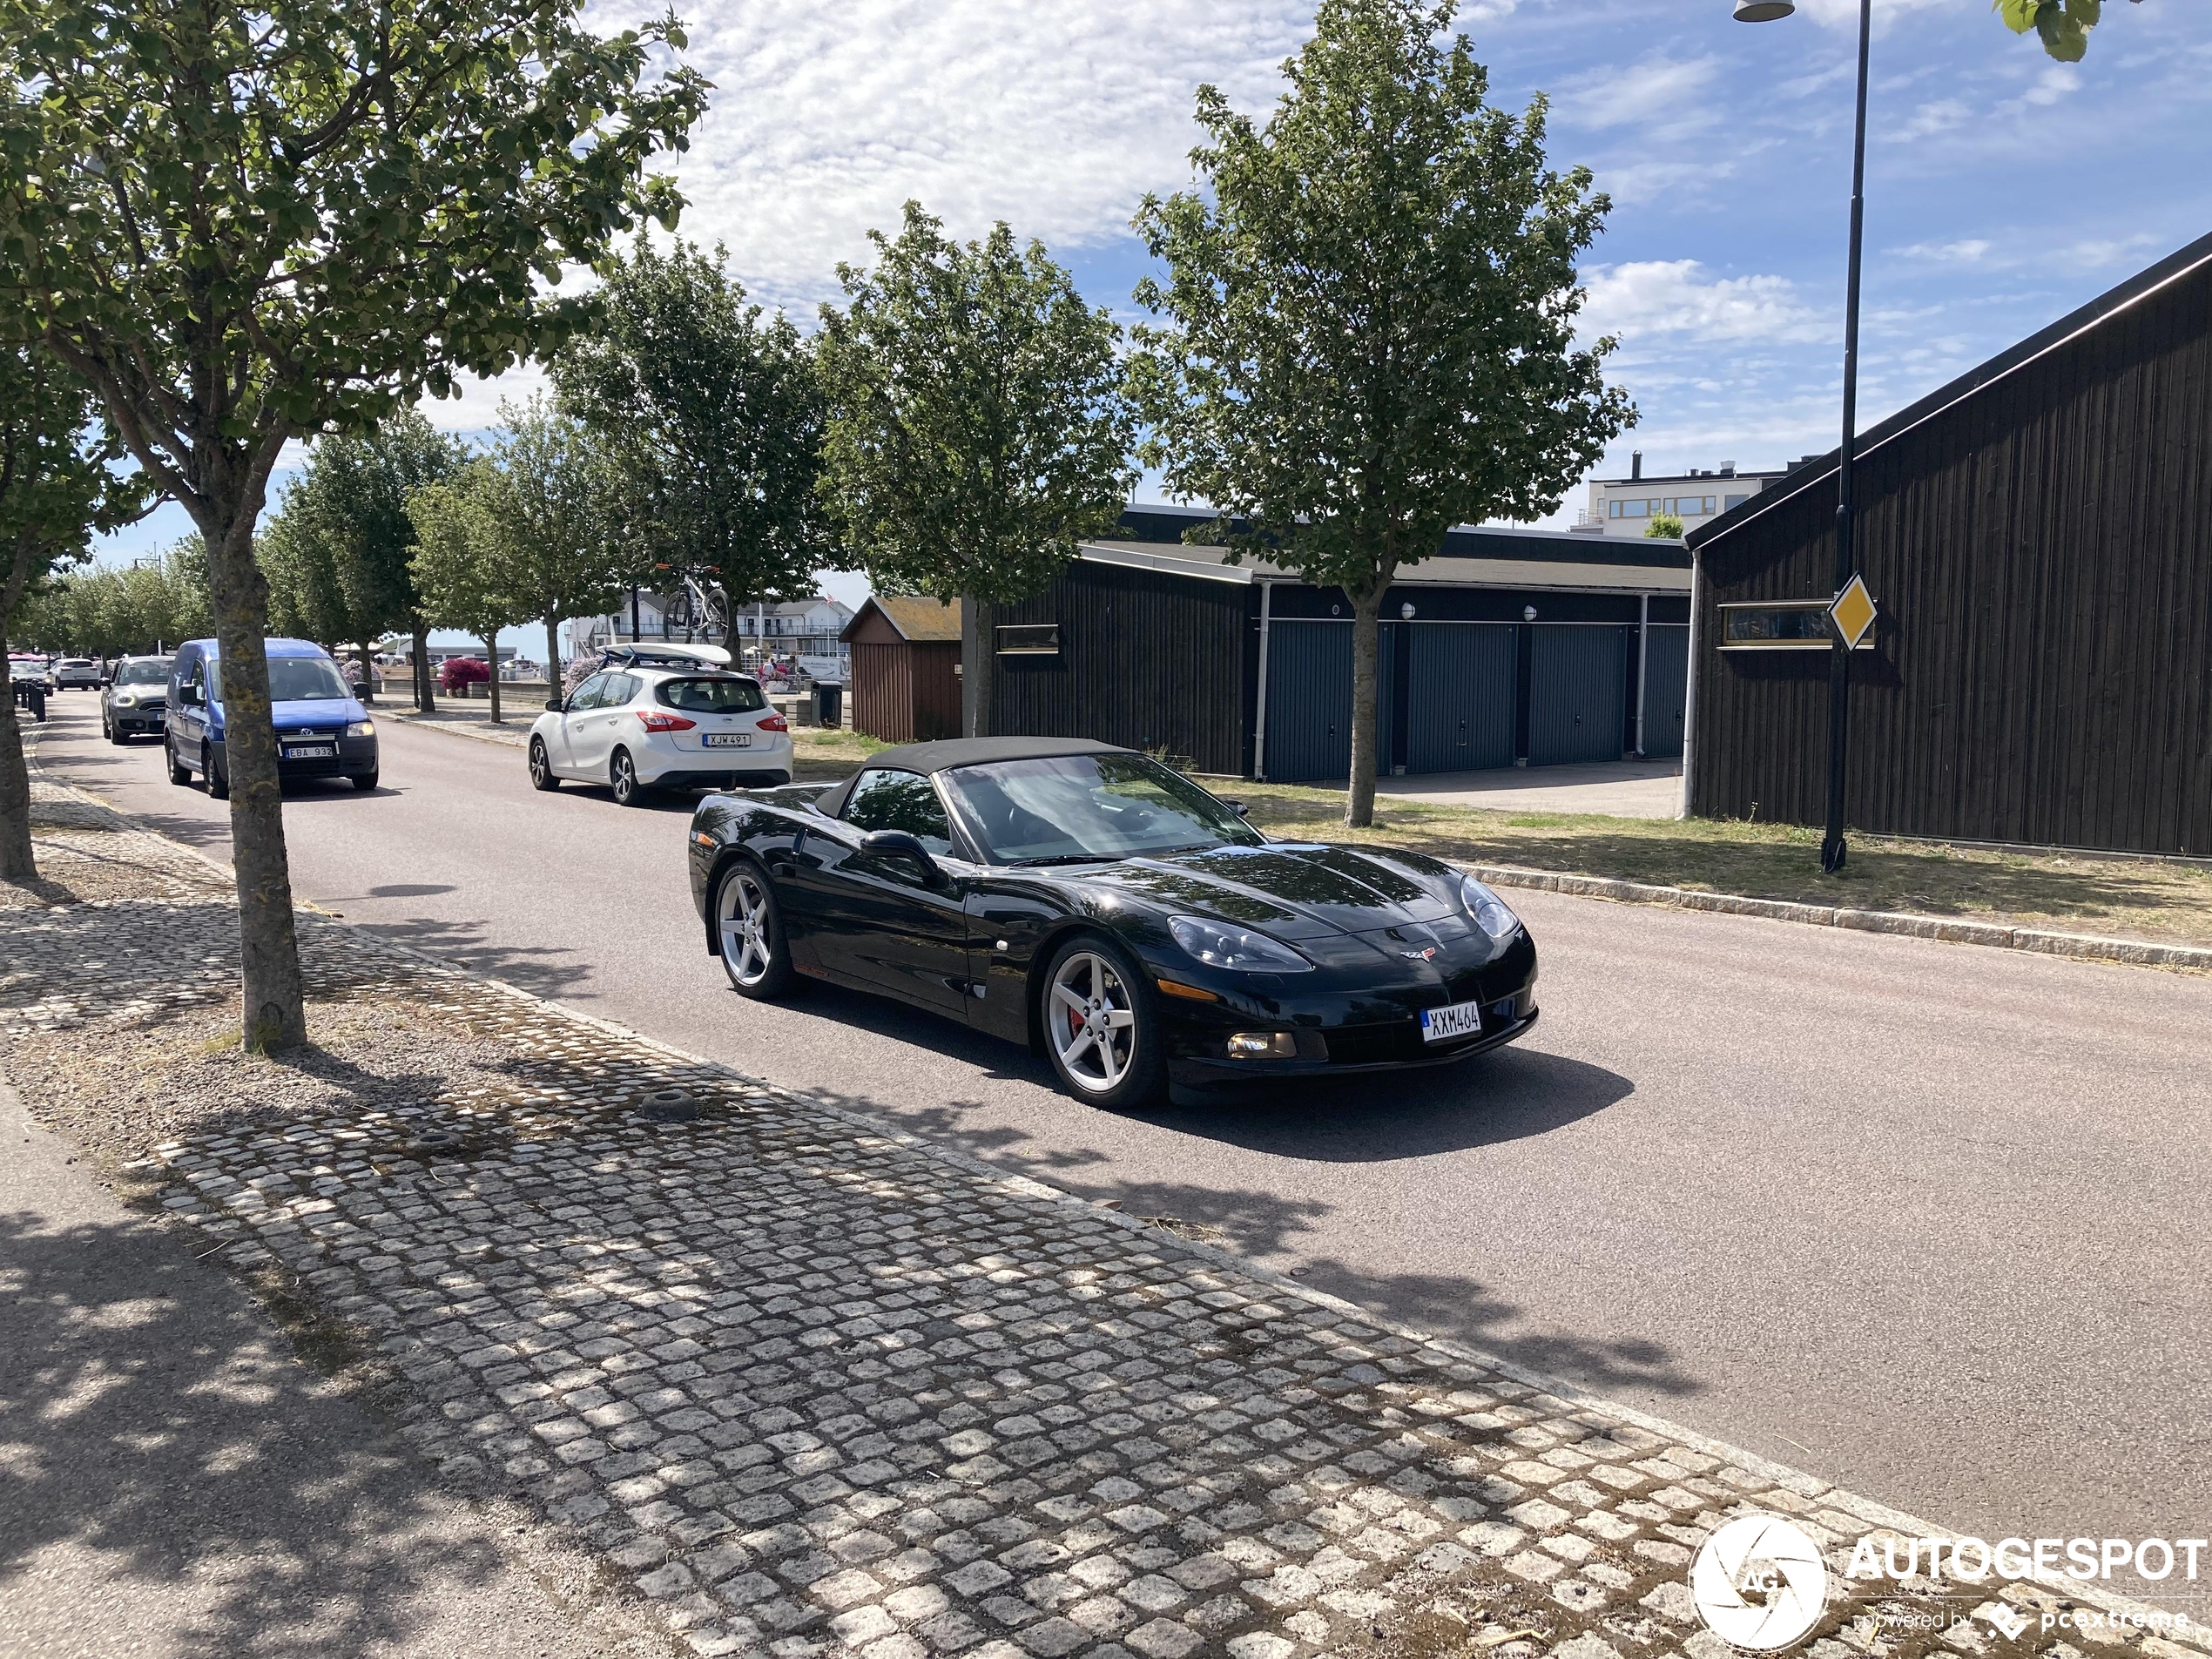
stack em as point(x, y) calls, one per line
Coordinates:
point(662, 717)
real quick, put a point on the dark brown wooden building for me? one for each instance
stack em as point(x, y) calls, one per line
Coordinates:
point(2039, 536)
point(1510, 648)
point(905, 669)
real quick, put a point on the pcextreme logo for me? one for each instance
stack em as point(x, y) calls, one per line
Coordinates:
point(1759, 1582)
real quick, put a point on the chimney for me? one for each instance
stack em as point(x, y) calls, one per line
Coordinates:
point(1636, 464)
point(1727, 470)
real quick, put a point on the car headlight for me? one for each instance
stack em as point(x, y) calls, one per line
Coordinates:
point(1491, 913)
point(125, 701)
point(361, 729)
point(1218, 945)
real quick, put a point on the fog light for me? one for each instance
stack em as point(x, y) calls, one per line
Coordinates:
point(1263, 1045)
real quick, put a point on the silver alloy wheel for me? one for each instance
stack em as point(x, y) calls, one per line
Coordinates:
point(624, 776)
point(1091, 1017)
point(743, 912)
point(541, 762)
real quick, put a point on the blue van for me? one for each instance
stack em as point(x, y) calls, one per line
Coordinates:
point(322, 731)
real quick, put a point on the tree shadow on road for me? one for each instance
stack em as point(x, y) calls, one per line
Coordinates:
point(166, 1459)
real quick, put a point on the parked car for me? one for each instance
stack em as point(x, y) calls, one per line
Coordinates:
point(1112, 915)
point(322, 731)
point(135, 702)
point(28, 680)
point(76, 674)
point(662, 717)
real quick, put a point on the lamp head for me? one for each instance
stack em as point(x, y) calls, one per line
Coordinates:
point(1763, 10)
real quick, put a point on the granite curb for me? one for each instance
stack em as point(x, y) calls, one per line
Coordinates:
point(2080, 947)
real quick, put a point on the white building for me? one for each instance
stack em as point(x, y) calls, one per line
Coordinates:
point(1626, 506)
point(807, 629)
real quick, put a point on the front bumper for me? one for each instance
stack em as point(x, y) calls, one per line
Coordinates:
point(138, 717)
point(353, 757)
point(1348, 1030)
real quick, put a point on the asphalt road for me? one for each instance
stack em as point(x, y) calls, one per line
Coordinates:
point(1927, 1220)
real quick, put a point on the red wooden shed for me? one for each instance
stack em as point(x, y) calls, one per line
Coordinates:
point(905, 669)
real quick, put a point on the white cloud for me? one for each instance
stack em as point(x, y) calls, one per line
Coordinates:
point(2094, 254)
point(1972, 251)
point(2052, 84)
point(1057, 118)
point(1941, 116)
point(1844, 14)
point(477, 407)
point(1650, 300)
point(1660, 95)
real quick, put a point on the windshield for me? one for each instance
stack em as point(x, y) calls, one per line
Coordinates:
point(301, 679)
point(153, 673)
point(720, 696)
point(1102, 806)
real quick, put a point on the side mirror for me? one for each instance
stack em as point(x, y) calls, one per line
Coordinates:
point(188, 696)
point(1239, 807)
point(897, 844)
point(556, 706)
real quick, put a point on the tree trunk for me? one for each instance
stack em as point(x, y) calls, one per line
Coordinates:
point(272, 995)
point(1367, 631)
point(18, 861)
point(368, 673)
point(425, 702)
point(491, 656)
point(553, 665)
point(975, 670)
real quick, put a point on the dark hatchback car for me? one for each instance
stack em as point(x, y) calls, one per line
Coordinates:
point(1110, 912)
point(135, 702)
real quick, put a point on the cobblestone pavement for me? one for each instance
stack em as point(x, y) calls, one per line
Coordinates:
point(811, 1387)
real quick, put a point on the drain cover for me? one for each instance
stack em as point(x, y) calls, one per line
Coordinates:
point(670, 1106)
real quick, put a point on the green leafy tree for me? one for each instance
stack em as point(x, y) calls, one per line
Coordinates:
point(457, 568)
point(711, 420)
point(345, 521)
point(1370, 319)
point(1664, 524)
point(245, 223)
point(977, 429)
point(58, 487)
point(553, 549)
point(2063, 25)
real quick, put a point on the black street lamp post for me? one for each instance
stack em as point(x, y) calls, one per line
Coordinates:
point(1832, 849)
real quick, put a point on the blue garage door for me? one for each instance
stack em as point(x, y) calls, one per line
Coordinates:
point(1666, 688)
point(1309, 699)
point(1461, 696)
point(1577, 694)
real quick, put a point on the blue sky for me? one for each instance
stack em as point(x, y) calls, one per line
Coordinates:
point(2003, 190)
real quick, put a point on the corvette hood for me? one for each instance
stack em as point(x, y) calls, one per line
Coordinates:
point(1294, 891)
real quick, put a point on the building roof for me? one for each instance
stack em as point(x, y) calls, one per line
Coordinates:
point(1473, 558)
point(2101, 310)
point(1160, 528)
point(919, 620)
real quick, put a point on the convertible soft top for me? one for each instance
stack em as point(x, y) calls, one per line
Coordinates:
point(980, 752)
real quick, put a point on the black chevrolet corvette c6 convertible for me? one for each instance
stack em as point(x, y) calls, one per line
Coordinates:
point(1088, 901)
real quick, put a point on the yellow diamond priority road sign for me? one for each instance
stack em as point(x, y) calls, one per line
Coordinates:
point(1853, 613)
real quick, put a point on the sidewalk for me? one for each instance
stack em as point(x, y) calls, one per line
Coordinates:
point(804, 1384)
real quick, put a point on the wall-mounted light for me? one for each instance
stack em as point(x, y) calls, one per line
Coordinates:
point(1528, 613)
point(1406, 612)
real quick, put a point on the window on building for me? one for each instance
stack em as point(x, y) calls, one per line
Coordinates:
point(1794, 624)
point(1735, 502)
point(1029, 639)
